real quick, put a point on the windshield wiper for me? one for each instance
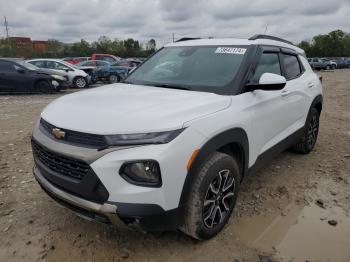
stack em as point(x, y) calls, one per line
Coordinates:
point(172, 86)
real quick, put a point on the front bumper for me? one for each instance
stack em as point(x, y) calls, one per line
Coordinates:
point(77, 204)
point(145, 217)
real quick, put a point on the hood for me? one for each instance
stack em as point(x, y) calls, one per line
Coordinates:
point(125, 108)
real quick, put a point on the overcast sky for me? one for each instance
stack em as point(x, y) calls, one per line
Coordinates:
point(71, 20)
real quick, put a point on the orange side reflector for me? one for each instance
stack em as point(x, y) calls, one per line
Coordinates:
point(193, 156)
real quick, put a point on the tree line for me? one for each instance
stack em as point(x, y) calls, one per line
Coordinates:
point(333, 44)
point(56, 49)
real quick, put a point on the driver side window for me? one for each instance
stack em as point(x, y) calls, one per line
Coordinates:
point(269, 63)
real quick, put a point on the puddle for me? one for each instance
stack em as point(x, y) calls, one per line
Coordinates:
point(302, 234)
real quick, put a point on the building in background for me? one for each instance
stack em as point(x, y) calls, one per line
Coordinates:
point(25, 46)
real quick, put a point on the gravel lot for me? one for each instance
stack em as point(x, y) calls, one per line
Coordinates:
point(296, 209)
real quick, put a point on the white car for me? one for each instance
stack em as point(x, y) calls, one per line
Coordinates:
point(168, 149)
point(78, 77)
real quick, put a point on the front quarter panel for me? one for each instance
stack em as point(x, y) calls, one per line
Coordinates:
point(172, 158)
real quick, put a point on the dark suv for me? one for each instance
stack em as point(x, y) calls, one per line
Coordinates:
point(21, 77)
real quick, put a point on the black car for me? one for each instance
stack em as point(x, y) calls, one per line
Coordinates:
point(21, 77)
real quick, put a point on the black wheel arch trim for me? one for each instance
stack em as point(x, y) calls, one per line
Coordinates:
point(235, 135)
point(318, 100)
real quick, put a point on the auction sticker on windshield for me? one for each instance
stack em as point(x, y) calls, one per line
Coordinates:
point(230, 50)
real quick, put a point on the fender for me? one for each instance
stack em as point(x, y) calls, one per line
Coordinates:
point(318, 100)
point(235, 135)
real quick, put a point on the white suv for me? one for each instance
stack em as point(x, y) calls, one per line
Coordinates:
point(169, 147)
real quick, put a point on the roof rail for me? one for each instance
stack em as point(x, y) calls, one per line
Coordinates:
point(187, 39)
point(270, 37)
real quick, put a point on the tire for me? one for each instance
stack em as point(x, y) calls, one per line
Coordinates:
point(309, 137)
point(113, 79)
point(328, 67)
point(44, 87)
point(334, 67)
point(209, 197)
point(80, 82)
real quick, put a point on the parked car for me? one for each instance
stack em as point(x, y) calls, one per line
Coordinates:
point(90, 68)
point(332, 62)
point(170, 150)
point(77, 77)
point(75, 60)
point(111, 74)
point(342, 63)
point(321, 63)
point(20, 77)
point(105, 57)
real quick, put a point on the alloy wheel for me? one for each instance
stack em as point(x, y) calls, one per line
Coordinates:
point(81, 83)
point(219, 198)
point(312, 131)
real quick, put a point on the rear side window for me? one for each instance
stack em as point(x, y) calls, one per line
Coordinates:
point(269, 63)
point(6, 66)
point(291, 66)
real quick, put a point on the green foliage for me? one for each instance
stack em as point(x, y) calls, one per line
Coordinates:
point(333, 44)
point(57, 49)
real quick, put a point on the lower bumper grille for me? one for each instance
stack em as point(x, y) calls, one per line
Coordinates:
point(63, 165)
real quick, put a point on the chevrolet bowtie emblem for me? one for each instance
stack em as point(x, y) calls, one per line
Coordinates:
point(58, 133)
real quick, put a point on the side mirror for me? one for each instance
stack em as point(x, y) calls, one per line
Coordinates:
point(20, 70)
point(268, 82)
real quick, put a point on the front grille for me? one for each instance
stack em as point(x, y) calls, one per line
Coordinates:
point(74, 137)
point(65, 166)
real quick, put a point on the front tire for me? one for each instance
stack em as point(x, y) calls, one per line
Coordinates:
point(44, 87)
point(309, 137)
point(80, 82)
point(212, 197)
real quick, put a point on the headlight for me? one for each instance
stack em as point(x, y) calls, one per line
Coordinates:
point(57, 77)
point(142, 139)
point(142, 173)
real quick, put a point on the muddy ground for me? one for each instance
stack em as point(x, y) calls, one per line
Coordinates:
point(284, 213)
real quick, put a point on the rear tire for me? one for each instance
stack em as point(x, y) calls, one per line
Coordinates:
point(80, 82)
point(309, 137)
point(328, 67)
point(44, 87)
point(333, 67)
point(113, 79)
point(212, 197)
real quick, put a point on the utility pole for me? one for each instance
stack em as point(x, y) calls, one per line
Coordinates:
point(173, 37)
point(6, 27)
point(7, 33)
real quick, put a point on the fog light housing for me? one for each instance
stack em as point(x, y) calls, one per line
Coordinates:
point(142, 173)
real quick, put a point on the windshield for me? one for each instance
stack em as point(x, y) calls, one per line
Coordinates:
point(68, 64)
point(200, 68)
point(28, 65)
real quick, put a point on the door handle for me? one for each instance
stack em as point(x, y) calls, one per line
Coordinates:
point(310, 85)
point(285, 93)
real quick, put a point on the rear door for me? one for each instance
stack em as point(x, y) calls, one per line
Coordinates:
point(7, 77)
point(294, 94)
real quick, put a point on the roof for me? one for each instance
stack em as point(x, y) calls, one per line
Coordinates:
point(235, 41)
point(11, 59)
